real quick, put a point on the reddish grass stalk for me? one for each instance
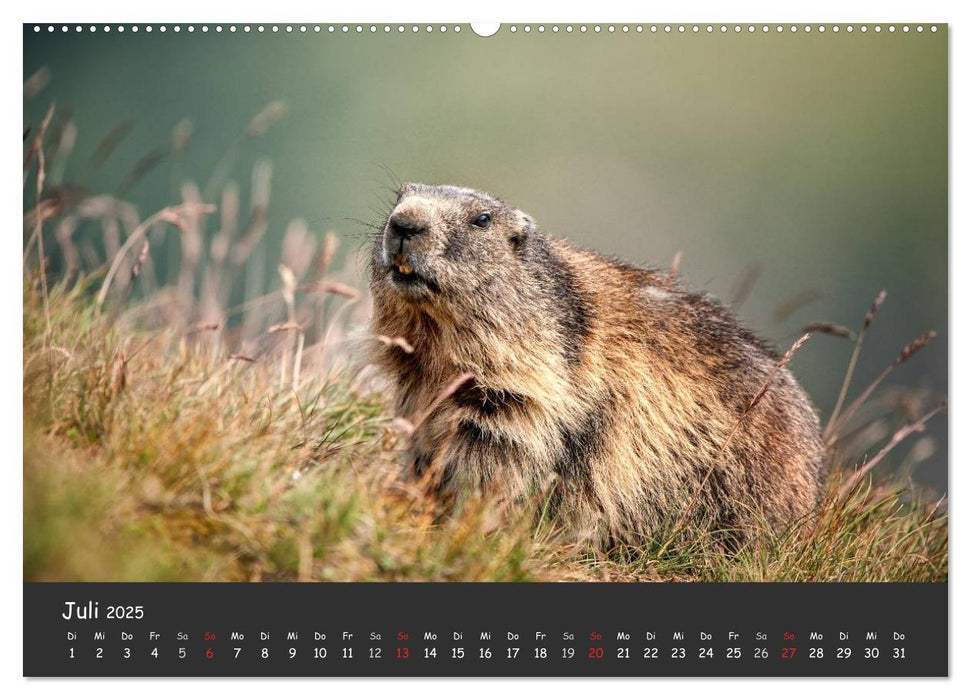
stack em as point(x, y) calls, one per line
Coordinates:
point(916, 427)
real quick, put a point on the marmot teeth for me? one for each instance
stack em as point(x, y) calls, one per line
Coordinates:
point(403, 266)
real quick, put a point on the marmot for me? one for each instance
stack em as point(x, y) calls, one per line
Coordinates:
point(609, 384)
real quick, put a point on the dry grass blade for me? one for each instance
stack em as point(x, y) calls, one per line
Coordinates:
point(285, 326)
point(675, 266)
point(851, 367)
point(111, 141)
point(905, 354)
point(454, 386)
point(36, 82)
point(38, 234)
point(731, 434)
point(916, 427)
point(262, 121)
point(140, 261)
point(397, 341)
point(792, 304)
point(172, 215)
point(202, 328)
point(829, 329)
point(142, 167)
point(343, 290)
point(745, 285)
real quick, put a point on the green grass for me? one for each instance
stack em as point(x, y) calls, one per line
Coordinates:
point(150, 457)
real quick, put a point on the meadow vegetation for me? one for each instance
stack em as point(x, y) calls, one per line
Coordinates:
point(175, 433)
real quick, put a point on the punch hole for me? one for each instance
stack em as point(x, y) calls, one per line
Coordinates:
point(485, 29)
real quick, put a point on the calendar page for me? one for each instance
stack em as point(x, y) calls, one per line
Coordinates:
point(536, 349)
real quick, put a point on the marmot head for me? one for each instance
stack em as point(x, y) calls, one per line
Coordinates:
point(446, 242)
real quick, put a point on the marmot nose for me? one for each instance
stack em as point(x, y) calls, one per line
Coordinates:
point(404, 225)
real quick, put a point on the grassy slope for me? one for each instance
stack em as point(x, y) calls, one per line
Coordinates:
point(149, 457)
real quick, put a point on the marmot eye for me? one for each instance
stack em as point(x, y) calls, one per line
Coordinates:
point(482, 220)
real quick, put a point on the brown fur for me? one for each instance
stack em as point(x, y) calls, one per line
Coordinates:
point(610, 384)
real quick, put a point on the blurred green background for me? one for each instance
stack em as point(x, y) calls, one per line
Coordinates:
point(819, 160)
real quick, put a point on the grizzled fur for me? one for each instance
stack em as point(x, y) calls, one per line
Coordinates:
point(608, 381)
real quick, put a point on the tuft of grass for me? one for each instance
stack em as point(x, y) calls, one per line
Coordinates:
point(150, 458)
point(146, 459)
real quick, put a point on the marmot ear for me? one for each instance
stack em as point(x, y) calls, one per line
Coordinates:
point(525, 227)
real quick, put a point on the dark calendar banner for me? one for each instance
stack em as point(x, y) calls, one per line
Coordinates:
point(467, 629)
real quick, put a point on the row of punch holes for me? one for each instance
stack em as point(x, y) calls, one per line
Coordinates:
point(492, 29)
